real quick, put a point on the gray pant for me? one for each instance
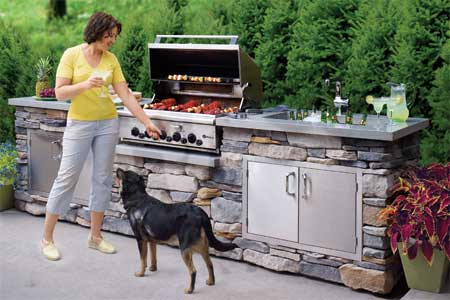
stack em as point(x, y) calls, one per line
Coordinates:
point(80, 137)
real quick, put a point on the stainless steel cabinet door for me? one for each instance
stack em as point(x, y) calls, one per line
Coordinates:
point(45, 152)
point(328, 209)
point(272, 200)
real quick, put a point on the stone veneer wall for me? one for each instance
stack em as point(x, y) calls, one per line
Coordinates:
point(174, 182)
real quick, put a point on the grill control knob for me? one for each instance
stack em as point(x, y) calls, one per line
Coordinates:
point(135, 131)
point(191, 138)
point(163, 135)
point(141, 135)
point(176, 136)
point(199, 142)
point(169, 139)
point(183, 140)
point(146, 134)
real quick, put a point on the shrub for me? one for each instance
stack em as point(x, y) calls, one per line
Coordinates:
point(435, 146)
point(248, 19)
point(320, 48)
point(274, 46)
point(372, 36)
point(16, 74)
point(420, 211)
point(8, 163)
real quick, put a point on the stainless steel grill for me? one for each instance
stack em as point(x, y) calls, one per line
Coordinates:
point(195, 73)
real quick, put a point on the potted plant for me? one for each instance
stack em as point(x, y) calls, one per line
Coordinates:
point(8, 172)
point(419, 217)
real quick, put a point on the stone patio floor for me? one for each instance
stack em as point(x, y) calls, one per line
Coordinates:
point(83, 273)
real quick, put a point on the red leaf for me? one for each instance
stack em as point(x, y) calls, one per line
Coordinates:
point(412, 251)
point(394, 242)
point(445, 202)
point(442, 229)
point(406, 233)
point(446, 248)
point(429, 222)
point(427, 251)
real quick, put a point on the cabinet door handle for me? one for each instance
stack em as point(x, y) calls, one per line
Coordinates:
point(287, 183)
point(58, 143)
point(305, 181)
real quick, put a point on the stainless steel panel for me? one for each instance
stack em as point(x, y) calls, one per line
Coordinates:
point(272, 200)
point(205, 133)
point(44, 158)
point(328, 209)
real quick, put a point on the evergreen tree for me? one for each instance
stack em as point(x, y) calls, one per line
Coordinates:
point(320, 46)
point(164, 19)
point(16, 74)
point(370, 59)
point(211, 17)
point(418, 41)
point(248, 19)
point(274, 46)
point(133, 52)
point(435, 146)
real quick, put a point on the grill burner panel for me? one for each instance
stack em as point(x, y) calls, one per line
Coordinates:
point(195, 136)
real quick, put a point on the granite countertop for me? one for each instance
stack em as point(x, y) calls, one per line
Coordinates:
point(277, 121)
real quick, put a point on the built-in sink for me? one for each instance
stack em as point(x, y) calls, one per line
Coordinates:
point(292, 116)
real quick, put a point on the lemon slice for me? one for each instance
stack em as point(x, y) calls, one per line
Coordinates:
point(398, 99)
point(369, 99)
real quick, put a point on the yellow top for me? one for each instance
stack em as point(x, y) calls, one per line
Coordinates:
point(89, 106)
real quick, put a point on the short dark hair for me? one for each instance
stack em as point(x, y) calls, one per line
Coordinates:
point(98, 24)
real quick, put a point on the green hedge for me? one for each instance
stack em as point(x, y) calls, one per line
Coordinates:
point(297, 44)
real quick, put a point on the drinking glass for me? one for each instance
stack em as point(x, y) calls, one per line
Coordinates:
point(103, 75)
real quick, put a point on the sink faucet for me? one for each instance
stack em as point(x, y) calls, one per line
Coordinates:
point(338, 100)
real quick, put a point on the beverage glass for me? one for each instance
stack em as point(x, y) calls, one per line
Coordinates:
point(103, 75)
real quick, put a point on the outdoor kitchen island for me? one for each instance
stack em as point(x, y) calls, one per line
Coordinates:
point(295, 196)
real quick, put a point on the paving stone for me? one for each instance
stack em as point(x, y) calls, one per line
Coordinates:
point(376, 185)
point(271, 262)
point(226, 211)
point(320, 271)
point(379, 202)
point(370, 216)
point(161, 195)
point(376, 242)
point(341, 154)
point(376, 253)
point(316, 152)
point(355, 164)
point(277, 151)
point(234, 146)
point(250, 244)
point(130, 160)
point(374, 156)
point(232, 176)
point(285, 254)
point(232, 196)
point(181, 196)
point(200, 172)
point(180, 183)
point(377, 231)
point(237, 134)
point(323, 161)
point(165, 168)
point(372, 280)
point(314, 141)
point(322, 261)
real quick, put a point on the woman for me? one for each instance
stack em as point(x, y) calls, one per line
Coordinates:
point(92, 124)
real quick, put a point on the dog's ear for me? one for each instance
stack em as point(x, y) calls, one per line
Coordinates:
point(120, 173)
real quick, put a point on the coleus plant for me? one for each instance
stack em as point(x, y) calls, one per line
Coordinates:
point(419, 215)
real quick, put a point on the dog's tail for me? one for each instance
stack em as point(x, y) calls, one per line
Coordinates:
point(213, 241)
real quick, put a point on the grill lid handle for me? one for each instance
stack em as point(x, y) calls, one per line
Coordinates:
point(233, 38)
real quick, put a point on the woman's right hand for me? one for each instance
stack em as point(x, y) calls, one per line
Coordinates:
point(94, 82)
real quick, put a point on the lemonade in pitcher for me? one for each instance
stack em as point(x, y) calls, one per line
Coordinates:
point(396, 107)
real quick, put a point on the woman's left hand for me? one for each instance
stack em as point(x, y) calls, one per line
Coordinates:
point(153, 131)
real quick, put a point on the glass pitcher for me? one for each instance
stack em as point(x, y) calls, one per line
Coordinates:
point(396, 107)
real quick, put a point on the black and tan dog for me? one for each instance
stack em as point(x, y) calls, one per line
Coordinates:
point(153, 221)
